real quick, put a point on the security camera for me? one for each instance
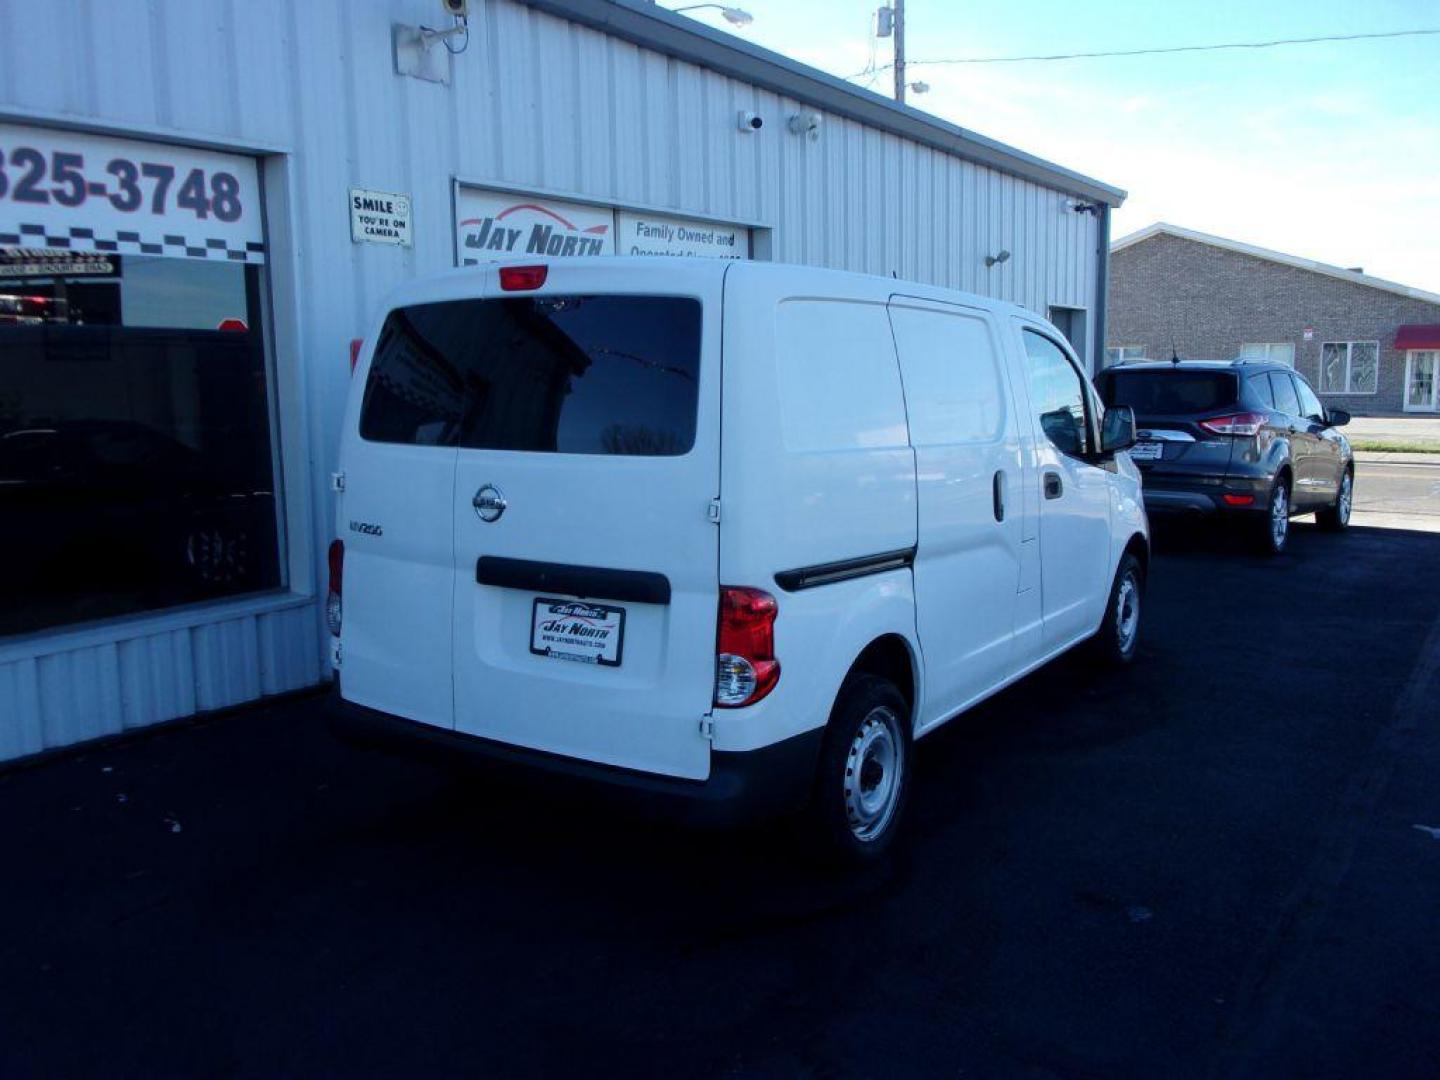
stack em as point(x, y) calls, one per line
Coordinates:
point(460, 9)
point(749, 121)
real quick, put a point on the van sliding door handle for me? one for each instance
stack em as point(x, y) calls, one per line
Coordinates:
point(1053, 487)
point(997, 491)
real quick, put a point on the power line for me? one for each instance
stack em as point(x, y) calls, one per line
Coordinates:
point(1166, 49)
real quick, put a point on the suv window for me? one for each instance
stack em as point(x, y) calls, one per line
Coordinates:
point(1057, 395)
point(1310, 406)
point(550, 374)
point(1169, 392)
point(1284, 390)
point(1259, 386)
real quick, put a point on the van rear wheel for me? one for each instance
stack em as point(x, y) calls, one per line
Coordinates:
point(863, 782)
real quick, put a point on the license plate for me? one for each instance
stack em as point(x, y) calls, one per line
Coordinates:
point(571, 630)
point(1147, 451)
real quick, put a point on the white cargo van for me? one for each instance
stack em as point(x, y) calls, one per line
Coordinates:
point(734, 532)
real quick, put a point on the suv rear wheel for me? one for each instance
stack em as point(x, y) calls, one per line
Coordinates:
point(1336, 516)
point(863, 781)
point(1274, 530)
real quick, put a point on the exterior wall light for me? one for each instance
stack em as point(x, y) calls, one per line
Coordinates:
point(733, 15)
point(999, 257)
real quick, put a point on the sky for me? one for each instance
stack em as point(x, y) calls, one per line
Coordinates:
point(1326, 151)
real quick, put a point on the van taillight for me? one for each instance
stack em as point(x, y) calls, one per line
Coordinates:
point(522, 278)
point(337, 581)
point(745, 665)
point(1245, 423)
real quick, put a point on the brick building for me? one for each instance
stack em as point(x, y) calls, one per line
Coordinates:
point(1367, 345)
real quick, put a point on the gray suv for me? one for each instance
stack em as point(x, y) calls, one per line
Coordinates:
point(1246, 439)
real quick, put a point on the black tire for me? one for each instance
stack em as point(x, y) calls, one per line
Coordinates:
point(1272, 530)
point(1336, 516)
point(1119, 634)
point(835, 820)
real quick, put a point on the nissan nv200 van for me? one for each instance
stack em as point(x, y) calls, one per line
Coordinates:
point(734, 534)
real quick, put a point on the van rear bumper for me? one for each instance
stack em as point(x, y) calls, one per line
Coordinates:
point(743, 787)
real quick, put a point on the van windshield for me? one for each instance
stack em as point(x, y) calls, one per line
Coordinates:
point(1168, 392)
point(551, 374)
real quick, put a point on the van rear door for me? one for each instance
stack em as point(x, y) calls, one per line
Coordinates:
point(397, 456)
point(586, 561)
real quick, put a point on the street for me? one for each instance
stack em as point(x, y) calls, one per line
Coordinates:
point(1223, 862)
point(1403, 489)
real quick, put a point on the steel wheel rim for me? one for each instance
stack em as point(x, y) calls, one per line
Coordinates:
point(1127, 612)
point(874, 771)
point(1345, 496)
point(1280, 516)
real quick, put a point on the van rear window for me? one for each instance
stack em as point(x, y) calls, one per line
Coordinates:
point(551, 374)
point(1168, 393)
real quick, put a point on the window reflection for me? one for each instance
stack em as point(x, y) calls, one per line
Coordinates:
point(135, 460)
point(1057, 395)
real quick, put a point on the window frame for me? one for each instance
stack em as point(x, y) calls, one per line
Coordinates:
point(1088, 400)
point(1267, 355)
point(1349, 352)
point(1412, 357)
point(1122, 349)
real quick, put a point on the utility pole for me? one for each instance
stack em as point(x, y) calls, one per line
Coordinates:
point(899, 6)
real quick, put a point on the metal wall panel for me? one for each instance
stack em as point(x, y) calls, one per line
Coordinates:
point(534, 102)
point(104, 687)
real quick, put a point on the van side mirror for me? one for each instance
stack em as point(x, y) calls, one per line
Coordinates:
point(1337, 417)
point(1117, 431)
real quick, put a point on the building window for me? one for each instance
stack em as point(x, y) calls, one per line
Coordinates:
point(1349, 367)
point(136, 470)
point(1282, 352)
point(1118, 354)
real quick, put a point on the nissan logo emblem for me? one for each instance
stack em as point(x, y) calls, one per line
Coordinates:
point(489, 503)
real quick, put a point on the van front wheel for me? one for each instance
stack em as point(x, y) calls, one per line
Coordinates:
point(863, 781)
point(1120, 629)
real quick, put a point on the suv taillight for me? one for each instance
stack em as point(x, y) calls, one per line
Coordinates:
point(337, 581)
point(745, 665)
point(1245, 423)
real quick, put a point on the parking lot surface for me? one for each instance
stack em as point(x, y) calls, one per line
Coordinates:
point(1219, 863)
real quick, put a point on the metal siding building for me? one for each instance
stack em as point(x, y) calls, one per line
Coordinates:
point(611, 104)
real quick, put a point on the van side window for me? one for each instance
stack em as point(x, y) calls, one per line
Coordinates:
point(1285, 399)
point(1057, 395)
point(951, 375)
point(545, 374)
point(839, 383)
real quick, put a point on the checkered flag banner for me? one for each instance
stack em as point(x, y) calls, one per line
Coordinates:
point(128, 242)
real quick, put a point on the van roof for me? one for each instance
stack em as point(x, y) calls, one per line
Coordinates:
point(697, 268)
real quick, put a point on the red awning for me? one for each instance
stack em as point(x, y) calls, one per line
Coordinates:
point(1418, 336)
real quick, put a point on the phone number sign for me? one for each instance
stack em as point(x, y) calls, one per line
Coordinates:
point(83, 192)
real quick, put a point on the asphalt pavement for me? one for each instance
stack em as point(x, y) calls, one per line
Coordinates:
point(1224, 862)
